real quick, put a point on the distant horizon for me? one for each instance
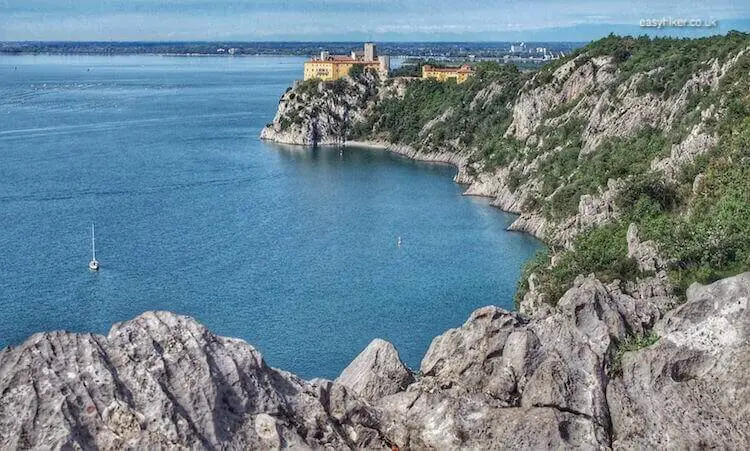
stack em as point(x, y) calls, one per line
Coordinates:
point(361, 20)
point(231, 41)
point(537, 36)
point(661, 33)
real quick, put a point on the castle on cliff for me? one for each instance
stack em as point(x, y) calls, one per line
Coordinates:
point(332, 67)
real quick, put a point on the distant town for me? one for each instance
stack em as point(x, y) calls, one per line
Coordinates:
point(521, 53)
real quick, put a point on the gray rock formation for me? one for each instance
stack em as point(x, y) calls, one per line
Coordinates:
point(320, 113)
point(645, 253)
point(500, 381)
point(316, 113)
point(376, 372)
point(696, 143)
point(692, 388)
point(570, 82)
point(163, 380)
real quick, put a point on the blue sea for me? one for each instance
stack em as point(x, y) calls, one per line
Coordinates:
point(291, 249)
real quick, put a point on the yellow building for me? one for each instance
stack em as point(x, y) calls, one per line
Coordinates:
point(332, 67)
point(460, 74)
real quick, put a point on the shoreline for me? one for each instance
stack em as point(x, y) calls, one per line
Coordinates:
point(458, 161)
point(455, 160)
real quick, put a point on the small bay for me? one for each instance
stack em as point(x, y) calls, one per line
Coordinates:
point(293, 250)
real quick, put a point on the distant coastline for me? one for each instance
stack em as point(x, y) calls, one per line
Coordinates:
point(433, 50)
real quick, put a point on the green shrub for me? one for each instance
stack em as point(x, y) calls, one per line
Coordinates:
point(338, 87)
point(629, 344)
point(678, 59)
point(402, 119)
point(309, 87)
point(616, 158)
point(646, 196)
point(515, 179)
point(601, 251)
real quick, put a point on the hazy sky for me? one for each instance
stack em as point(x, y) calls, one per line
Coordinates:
point(351, 19)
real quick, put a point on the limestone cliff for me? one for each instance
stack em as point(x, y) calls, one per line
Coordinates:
point(592, 94)
point(625, 132)
point(500, 381)
point(320, 113)
point(163, 380)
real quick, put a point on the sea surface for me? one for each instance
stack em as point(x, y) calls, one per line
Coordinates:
point(294, 250)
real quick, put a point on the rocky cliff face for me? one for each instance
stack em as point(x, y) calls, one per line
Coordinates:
point(316, 113)
point(163, 380)
point(676, 393)
point(501, 380)
point(593, 95)
point(625, 136)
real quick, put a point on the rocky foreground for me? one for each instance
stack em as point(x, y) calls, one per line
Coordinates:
point(556, 379)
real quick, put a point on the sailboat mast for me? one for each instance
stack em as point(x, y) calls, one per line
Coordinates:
point(93, 240)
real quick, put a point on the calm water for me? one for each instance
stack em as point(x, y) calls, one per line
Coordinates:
point(292, 250)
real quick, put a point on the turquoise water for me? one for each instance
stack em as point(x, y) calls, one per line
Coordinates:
point(293, 250)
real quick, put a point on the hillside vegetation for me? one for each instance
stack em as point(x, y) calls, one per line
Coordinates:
point(651, 135)
point(699, 218)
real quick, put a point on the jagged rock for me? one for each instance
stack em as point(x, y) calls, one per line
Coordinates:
point(534, 302)
point(500, 381)
point(691, 389)
point(500, 369)
point(376, 372)
point(696, 143)
point(529, 223)
point(321, 116)
point(475, 392)
point(571, 82)
point(163, 380)
point(485, 96)
point(644, 252)
point(594, 210)
point(432, 123)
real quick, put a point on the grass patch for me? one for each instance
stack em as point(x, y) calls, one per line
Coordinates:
point(629, 344)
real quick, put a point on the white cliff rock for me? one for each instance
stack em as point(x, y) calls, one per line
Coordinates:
point(691, 389)
point(645, 253)
point(376, 372)
point(500, 381)
point(698, 142)
point(570, 82)
point(160, 380)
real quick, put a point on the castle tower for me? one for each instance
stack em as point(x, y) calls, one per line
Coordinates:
point(370, 52)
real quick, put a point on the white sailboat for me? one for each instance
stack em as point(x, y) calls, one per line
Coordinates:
point(93, 264)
